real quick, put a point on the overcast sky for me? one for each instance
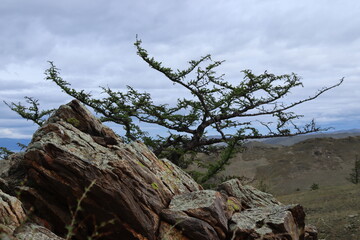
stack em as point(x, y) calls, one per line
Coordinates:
point(92, 43)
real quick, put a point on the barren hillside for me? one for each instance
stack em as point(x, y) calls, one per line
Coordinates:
point(287, 169)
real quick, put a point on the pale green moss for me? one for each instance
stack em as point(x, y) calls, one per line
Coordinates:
point(154, 186)
point(140, 163)
point(73, 121)
point(232, 206)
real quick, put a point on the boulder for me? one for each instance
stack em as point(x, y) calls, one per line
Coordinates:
point(311, 232)
point(270, 223)
point(77, 177)
point(206, 208)
point(248, 196)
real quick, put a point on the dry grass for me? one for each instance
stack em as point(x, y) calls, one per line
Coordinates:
point(335, 211)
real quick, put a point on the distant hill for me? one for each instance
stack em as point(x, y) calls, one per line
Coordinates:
point(286, 169)
point(11, 143)
point(288, 141)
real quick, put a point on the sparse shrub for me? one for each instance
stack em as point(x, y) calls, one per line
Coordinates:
point(196, 175)
point(355, 172)
point(263, 186)
point(72, 227)
point(210, 186)
point(314, 186)
point(168, 234)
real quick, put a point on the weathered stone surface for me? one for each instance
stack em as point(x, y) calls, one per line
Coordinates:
point(13, 223)
point(207, 205)
point(5, 165)
point(5, 236)
point(190, 227)
point(12, 214)
point(134, 195)
point(248, 196)
point(33, 231)
point(311, 232)
point(273, 222)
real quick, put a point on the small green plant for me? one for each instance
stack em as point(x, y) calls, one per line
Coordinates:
point(73, 121)
point(314, 186)
point(96, 233)
point(168, 234)
point(263, 186)
point(154, 186)
point(232, 206)
point(72, 226)
point(140, 163)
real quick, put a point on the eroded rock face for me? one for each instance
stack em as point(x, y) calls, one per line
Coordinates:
point(133, 194)
point(11, 213)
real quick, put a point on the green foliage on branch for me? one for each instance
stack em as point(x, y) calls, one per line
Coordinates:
point(5, 153)
point(32, 112)
point(231, 110)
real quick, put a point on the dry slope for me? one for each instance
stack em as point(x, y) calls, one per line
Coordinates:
point(286, 169)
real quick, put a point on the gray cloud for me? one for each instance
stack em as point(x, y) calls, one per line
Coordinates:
point(92, 44)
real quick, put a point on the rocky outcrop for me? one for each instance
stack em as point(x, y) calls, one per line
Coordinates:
point(78, 178)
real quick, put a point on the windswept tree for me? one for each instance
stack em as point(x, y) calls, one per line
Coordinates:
point(231, 110)
point(32, 112)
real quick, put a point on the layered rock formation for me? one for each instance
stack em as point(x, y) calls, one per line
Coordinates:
point(78, 179)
